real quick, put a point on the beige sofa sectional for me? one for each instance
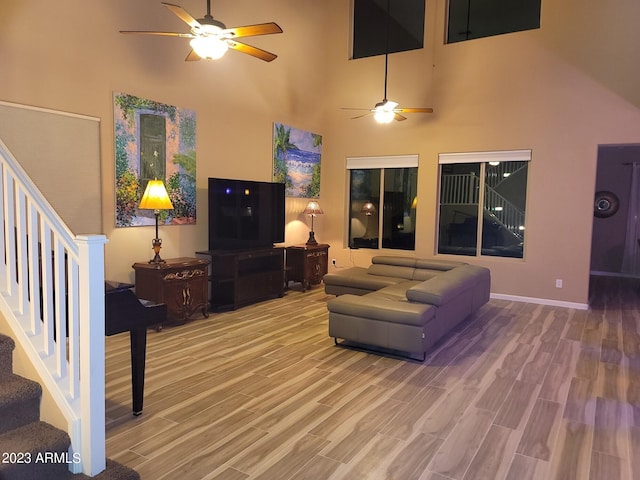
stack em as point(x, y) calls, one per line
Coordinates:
point(403, 303)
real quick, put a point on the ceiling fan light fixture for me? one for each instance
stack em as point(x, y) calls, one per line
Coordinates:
point(383, 116)
point(211, 48)
point(383, 112)
point(210, 38)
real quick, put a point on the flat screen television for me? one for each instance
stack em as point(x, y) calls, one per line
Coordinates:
point(245, 213)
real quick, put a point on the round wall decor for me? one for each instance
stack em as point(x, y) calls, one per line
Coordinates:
point(606, 204)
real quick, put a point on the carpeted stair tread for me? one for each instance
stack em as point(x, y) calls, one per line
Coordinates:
point(34, 437)
point(7, 344)
point(16, 388)
point(42, 441)
point(36, 442)
point(6, 356)
point(22, 432)
point(19, 402)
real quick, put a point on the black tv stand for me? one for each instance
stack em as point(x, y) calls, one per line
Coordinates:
point(243, 277)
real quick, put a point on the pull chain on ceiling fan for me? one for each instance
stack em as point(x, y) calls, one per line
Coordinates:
point(387, 110)
point(210, 38)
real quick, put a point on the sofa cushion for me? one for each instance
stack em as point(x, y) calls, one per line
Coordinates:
point(422, 274)
point(391, 271)
point(443, 288)
point(438, 265)
point(397, 292)
point(392, 260)
point(359, 278)
point(380, 308)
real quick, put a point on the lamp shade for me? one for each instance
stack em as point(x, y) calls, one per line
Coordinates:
point(313, 208)
point(368, 208)
point(155, 197)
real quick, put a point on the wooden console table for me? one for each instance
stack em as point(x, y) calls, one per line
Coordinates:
point(307, 264)
point(180, 283)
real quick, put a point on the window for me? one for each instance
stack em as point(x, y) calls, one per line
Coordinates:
point(404, 24)
point(382, 202)
point(469, 19)
point(491, 186)
point(152, 147)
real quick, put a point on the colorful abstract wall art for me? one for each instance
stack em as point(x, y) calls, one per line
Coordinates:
point(154, 140)
point(296, 160)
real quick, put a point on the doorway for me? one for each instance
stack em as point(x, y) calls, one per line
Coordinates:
point(615, 248)
point(153, 145)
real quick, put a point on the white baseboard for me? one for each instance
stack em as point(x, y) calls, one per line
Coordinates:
point(541, 301)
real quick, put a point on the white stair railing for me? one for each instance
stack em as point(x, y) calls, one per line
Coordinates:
point(463, 189)
point(52, 296)
point(504, 212)
point(460, 189)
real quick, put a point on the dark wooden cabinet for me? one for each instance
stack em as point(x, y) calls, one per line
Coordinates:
point(307, 264)
point(243, 277)
point(180, 283)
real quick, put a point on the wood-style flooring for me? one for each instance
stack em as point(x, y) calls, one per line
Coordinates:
point(520, 391)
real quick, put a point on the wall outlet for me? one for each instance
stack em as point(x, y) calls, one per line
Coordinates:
point(558, 283)
point(333, 262)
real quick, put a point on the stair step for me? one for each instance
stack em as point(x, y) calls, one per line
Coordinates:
point(42, 448)
point(19, 402)
point(6, 356)
point(36, 451)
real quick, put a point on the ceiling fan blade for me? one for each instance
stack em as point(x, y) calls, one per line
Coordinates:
point(353, 108)
point(399, 117)
point(166, 34)
point(182, 14)
point(192, 57)
point(363, 115)
point(253, 51)
point(253, 30)
point(413, 110)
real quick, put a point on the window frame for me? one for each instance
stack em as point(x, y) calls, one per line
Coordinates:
point(380, 163)
point(482, 158)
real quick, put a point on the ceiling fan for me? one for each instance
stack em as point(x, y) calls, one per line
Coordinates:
point(210, 38)
point(387, 110)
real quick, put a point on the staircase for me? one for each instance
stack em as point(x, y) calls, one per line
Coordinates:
point(463, 189)
point(29, 448)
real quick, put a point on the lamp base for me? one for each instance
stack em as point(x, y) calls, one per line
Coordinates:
point(312, 238)
point(157, 245)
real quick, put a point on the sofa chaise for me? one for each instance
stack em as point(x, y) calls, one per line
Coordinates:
point(403, 303)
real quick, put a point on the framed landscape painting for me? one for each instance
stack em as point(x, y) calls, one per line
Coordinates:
point(296, 160)
point(154, 140)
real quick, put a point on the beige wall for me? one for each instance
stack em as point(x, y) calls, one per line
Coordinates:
point(560, 91)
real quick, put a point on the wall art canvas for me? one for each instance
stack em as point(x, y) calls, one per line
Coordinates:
point(296, 160)
point(154, 140)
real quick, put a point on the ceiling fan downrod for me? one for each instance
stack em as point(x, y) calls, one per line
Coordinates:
point(386, 67)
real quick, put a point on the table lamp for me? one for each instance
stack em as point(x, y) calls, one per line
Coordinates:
point(312, 209)
point(368, 208)
point(156, 198)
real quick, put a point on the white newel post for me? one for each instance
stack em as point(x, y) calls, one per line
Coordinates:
point(92, 353)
